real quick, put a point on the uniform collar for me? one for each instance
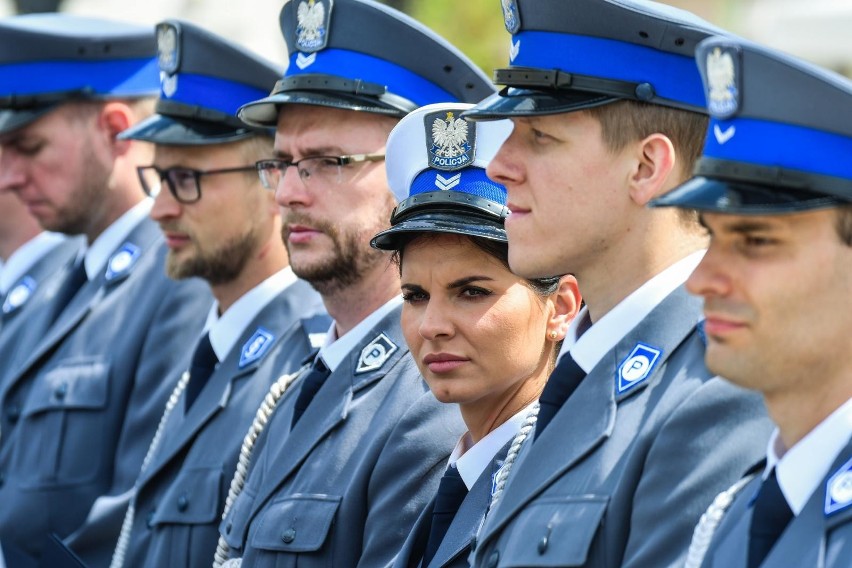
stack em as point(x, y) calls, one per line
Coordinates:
point(226, 330)
point(336, 349)
point(802, 468)
point(99, 252)
point(25, 258)
point(589, 343)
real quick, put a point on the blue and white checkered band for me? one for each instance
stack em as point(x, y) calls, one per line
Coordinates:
point(450, 140)
point(471, 180)
point(672, 76)
point(312, 24)
point(723, 81)
point(168, 48)
point(511, 15)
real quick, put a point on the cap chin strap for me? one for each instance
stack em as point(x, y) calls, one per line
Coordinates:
point(329, 84)
point(194, 112)
point(448, 201)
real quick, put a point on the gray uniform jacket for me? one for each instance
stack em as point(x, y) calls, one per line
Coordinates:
point(813, 539)
point(92, 391)
point(622, 479)
point(346, 485)
point(181, 494)
point(24, 326)
point(455, 548)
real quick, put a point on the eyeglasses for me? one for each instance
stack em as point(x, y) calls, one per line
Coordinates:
point(315, 170)
point(183, 183)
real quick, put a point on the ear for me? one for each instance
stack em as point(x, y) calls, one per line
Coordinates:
point(114, 118)
point(655, 161)
point(566, 304)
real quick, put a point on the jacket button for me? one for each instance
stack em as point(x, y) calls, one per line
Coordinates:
point(542, 545)
point(61, 391)
point(289, 536)
point(182, 503)
point(494, 559)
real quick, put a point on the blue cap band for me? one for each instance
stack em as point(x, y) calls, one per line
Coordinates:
point(472, 180)
point(120, 77)
point(213, 93)
point(675, 77)
point(398, 80)
point(780, 145)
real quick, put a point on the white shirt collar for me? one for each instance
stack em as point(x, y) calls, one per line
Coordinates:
point(226, 329)
point(588, 347)
point(99, 252)
point(803, 467)
point(25, 257)
point(335, 349)
point(471, 461)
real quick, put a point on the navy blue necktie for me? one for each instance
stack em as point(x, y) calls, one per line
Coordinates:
point(770, 517)
point(75, 278)
point(451, 493)
point(563, 381)
point(204, 362)
point(310, 387)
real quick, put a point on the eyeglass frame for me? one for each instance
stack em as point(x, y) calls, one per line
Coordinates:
point(283, 164)
point(165, 173)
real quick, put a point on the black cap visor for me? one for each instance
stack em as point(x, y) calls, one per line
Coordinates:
point(179, 131)
point(14, 119)
point(742, 198)
point(462, 223)
point(514, 102)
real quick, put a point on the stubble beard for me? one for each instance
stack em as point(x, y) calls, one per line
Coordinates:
point(219, 266)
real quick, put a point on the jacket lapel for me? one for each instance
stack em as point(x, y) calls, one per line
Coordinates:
point(590, 413)
point(330, 407)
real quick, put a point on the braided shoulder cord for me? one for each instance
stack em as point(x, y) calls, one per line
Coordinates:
point(512, 455)
point(127, 524)
point(709, 522)
point(267, 407)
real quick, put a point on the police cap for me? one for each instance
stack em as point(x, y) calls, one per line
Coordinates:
point(48, 59)
point(204, 81)
point(436, 169)
point(780, 134)
point(568, 55)
point(361, 55)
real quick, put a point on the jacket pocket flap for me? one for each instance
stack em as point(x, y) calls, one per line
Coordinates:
point(192, 499)
point(555, 531)
point(298, 523)
point(75, 383)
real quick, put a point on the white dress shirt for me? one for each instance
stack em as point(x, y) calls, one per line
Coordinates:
point(100, 251)
point(588, 344)
point(226, 329)
point(25, 257)
point(801, 469)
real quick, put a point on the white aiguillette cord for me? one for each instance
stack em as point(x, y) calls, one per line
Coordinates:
point(127, 524)
point(265, 411)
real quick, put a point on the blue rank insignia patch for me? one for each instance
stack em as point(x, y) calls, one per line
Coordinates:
point(723, 81)
point(312, 23)
point(511, 16)
point(168, 48)
point(121, 262)
point(636, 367)
point(375, 354)
point(838, 489)
point(450, 143)
point(19, 295)
point(256, 347)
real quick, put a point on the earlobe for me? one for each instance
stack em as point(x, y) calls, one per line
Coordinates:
point(656, 160)
point(566, 304)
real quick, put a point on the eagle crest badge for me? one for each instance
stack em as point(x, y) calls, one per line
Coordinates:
point(511, 16)
point(312, 23)
point(723, 73)
point(168, 51)
point(450, 141)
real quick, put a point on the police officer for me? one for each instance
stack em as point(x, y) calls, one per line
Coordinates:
point(634, 435)
point(221, 225)
point(88, 396)
point(30, 261)
point(774, 188)
point(355, 447)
